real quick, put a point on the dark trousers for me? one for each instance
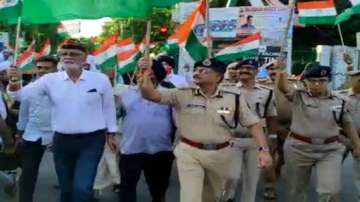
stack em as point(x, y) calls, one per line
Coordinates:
point(76, 159)
point(157, 171)
point(31, 155)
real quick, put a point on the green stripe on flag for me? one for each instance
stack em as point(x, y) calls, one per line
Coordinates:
point(236, 56)
point(109, 64)
point(195, 48)
point(28, 67)
point(51, 11)
point(318, 20)
point(131, 67)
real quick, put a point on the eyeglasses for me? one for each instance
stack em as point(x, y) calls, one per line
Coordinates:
point(70, 54)
point(203, 70)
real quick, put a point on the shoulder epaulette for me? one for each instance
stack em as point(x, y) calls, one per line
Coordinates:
point(233, 92)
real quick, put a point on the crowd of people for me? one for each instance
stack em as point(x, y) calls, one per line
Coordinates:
point(224, 130)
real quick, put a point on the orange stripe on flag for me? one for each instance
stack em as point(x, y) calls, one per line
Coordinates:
point(125, 42)
point(184, 29)
point(127, 54)
point(254, 37)
point(316, 5)
point(24, 56)
point(106, 45)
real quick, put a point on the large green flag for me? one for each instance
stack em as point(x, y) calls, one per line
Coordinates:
point(51, 11)
point(10, 10)
point(167, 3)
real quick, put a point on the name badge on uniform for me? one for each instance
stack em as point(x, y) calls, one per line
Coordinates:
point(223, 110)
point(196, 106)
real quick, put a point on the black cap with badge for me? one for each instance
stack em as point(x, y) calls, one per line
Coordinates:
point(248, 62)
point(213, 64)
point(317, 71)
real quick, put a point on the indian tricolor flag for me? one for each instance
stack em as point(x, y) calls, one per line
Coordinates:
point(317, 12)
point(186, 37)
point(172, 42)
point(247, 47)
point(105, 56)
point(45, 50)
point(25, 60)
point(127, 60)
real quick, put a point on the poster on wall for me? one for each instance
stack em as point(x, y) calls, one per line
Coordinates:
point(271, 22)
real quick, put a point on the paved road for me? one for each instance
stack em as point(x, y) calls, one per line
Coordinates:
point(46, 193)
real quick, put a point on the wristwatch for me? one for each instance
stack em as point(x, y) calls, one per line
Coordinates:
point(263, 149)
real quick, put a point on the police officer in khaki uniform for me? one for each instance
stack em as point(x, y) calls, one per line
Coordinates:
point(261, 103)
point(231, 75)
point(282, 125)
point(205, 115)
point(352, 97)
point(313, 142)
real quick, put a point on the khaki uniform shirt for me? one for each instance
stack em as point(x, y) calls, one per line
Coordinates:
point(256, 99)
point(198, 117)
point(316, 117)
point(283, 106)
point(353, 106)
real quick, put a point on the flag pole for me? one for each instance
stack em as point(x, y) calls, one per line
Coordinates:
point(341, 35)
point(14, 63)
point(147, 40)
point(292, 4)
point(207, 27)
point(18, 29)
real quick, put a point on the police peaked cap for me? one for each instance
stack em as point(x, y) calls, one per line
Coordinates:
point(316, 71)
point(213, 64)
point(249, 62)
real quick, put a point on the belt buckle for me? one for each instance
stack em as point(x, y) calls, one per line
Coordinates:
point(317, 141)
point(210, 146)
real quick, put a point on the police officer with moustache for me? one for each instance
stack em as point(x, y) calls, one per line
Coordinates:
point(205, 116)
point(317, 117)
point(261, 103)
point(283, 121)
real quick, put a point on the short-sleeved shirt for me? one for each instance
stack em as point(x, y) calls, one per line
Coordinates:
point(316, 117)
point(353, 106)
point(198, 117)
point(147, 126)
point(283, 106)
point(257, 99)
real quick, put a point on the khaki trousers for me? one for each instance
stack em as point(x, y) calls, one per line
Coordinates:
point(357, 177)
point(196, 167)
point(301, 158)
point(244, 187)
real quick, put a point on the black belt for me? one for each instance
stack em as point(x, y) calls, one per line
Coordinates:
point(79, 135)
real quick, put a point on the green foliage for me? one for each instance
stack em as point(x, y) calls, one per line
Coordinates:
point(136, 28)
point(40, 33)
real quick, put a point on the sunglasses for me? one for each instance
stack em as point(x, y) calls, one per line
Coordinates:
point(43, 67)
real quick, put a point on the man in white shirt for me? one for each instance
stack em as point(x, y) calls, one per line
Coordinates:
point(34, 131)
point(83, 118)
